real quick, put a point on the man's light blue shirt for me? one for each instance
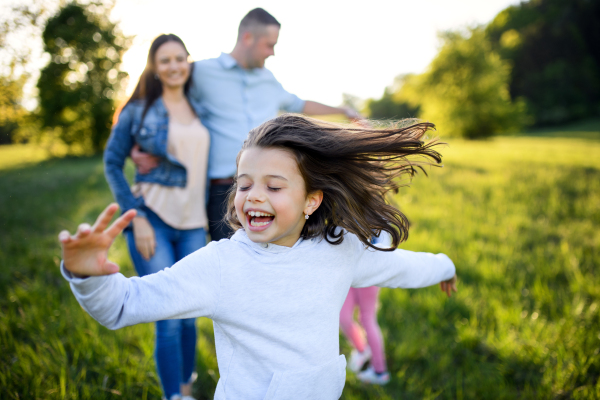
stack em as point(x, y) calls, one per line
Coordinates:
point(235, 100)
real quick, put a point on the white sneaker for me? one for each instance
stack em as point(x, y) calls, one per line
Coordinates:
point(370, 376)
point(193, 377)
point(358, 359)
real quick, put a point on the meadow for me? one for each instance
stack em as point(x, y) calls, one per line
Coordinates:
point(519, 215)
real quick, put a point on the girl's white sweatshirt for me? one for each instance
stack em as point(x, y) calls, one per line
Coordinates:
point(275, 309)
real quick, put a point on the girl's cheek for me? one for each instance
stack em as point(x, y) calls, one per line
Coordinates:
point(238, 203)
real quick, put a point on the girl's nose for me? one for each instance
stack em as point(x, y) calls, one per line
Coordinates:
point(255, 195)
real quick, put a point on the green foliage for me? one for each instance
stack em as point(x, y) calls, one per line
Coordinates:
point(554, 48)
point(12, 113)
point(518, 215)
point(389, 107)
point(465, 89)
point(79, 84)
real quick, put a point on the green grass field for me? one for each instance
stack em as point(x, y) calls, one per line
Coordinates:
point(519, 216)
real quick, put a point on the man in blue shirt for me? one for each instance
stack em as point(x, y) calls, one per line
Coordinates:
point(237, 94)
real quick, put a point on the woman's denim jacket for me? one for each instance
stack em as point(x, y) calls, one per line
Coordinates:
point(151, 135)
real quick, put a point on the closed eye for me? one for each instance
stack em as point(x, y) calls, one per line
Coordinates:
point(243, 188)
point(273, 189)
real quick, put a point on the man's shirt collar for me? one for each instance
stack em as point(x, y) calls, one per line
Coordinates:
point(226, 61)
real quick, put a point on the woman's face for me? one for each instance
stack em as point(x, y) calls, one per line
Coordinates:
point(172, 66)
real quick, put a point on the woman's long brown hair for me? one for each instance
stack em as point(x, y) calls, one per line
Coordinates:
point(354, 167)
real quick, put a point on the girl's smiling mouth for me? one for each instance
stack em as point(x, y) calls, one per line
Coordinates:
point(259, 220)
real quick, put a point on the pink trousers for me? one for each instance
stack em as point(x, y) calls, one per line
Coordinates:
point(366, 301)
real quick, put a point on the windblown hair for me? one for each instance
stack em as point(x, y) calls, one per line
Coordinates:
point(255, 21)
point(354, 167)
point(150, 88)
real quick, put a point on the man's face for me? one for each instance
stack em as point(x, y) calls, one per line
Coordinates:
point(262, 47)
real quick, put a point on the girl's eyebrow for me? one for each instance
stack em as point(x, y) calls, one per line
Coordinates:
point(268, 176)
point(276, 177)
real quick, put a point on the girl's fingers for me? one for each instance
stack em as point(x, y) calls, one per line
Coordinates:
point(64, 237)
point(121, 223)
point(110, 268)
point(104, 218)
point(83, 230)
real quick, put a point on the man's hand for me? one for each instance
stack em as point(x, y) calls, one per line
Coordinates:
point(449, 286)
point(352, 114)
point(315, 108)
point(144, 162)
point(86, 252)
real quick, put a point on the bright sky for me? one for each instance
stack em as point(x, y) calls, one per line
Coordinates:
point(325, 48)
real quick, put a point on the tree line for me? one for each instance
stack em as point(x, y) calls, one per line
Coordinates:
point(77, 88)
point(536, 63)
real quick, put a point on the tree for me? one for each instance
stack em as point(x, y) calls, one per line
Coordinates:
point(12, 113)
point(20, 23)
point(554, 48)
point(77, 87)
point(389, 107)
point(465, 89)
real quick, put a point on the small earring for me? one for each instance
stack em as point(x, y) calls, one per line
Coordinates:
point(305, 216)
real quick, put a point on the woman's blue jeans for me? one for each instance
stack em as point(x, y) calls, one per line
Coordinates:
point(175, 338)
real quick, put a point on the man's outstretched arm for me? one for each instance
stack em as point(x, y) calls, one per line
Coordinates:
point(315, 108)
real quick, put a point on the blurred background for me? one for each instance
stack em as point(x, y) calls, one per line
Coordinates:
point(514, 89)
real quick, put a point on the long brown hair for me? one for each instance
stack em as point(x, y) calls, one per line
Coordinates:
point(354, 167)
point(149, 87)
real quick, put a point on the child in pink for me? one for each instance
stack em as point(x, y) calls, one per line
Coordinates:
point(366, 301)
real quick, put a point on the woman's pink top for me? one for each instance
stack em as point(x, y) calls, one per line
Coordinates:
point(182, 208)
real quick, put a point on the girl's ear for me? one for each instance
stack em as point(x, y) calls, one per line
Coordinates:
point(313, 201)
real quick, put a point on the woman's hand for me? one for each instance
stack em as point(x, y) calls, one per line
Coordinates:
point(143, 233)
point(449, 286)
point(86, 252)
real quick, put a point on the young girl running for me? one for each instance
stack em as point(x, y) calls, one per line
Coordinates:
point(307, 198)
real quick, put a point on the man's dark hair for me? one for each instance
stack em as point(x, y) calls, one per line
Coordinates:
point(255, 21)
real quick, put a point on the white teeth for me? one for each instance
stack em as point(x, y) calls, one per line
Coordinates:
point(258, 223)
point(259, 214)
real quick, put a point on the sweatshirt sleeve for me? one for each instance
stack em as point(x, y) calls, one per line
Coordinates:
point(188, 289)
point(399, 268)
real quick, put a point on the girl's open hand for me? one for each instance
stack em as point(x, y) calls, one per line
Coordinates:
point(449, 286)
point(86, 252)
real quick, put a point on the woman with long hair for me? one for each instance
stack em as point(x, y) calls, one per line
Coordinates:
point(171, 218)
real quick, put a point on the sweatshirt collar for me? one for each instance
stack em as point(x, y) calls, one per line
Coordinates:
point(241, 236)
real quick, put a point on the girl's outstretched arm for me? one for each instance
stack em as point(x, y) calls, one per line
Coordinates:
point(401, 268)
point(449, 285)
point(86, 252)
point(188, 289)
